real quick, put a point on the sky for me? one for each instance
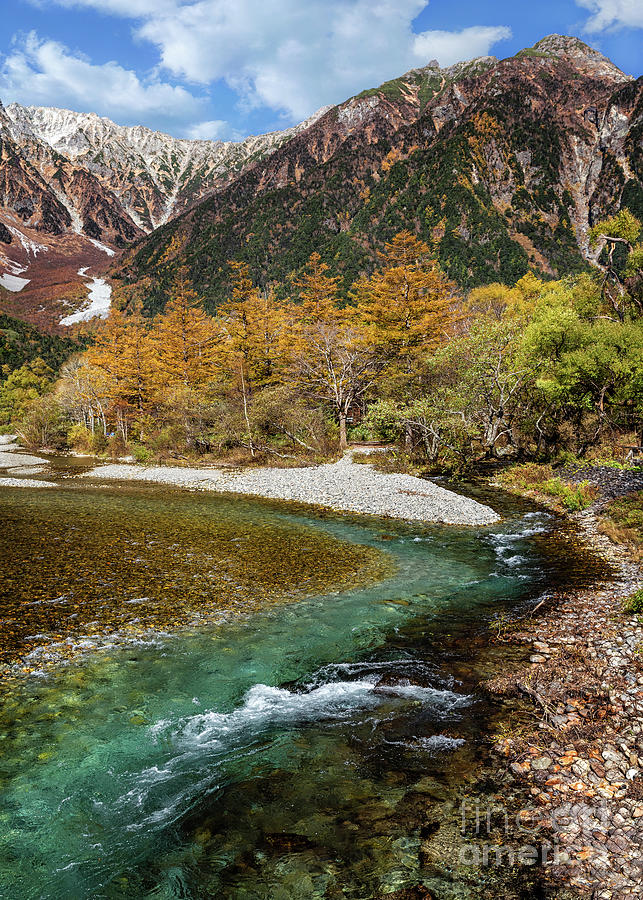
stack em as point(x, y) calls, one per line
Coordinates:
point(223, 69)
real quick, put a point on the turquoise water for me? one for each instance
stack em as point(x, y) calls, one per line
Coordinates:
point(282, 755)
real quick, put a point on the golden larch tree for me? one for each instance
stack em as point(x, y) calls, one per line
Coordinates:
point(408, 304)
point(254, 324)
point(317, 291)
point(186, 339)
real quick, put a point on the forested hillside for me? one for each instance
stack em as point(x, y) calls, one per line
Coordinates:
point(21, 343)
point(500, 167)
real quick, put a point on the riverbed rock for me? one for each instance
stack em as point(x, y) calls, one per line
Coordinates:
point(589, 692)
point(344, 486)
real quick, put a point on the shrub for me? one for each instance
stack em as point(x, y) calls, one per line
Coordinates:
point(360, 432)
point(141, 454)
point(383, 421)
point(634, 603)
point(574, 497)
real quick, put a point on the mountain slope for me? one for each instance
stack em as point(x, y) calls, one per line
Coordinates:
point(75, 186)
point(503, 165)
point(89, 162)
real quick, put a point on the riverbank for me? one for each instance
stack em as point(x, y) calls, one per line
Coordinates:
point(582, 760)
point(342, 486)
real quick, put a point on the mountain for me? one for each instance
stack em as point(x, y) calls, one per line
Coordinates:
point(72, 184)
point(149, 177)
point(502, 164)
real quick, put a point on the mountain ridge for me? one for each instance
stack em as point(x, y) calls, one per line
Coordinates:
point(153, 175)
point(538, 144)
point(504, 166)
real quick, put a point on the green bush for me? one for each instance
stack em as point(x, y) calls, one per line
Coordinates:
point(574, 497)
point(141, 454)
point(383, 421)
point(634, 603)
point(360, 432)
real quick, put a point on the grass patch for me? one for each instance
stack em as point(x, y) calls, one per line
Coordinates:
point(634, 603)
point(539, 481)
point(623, 523)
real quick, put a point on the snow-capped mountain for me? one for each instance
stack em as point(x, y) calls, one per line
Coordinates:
point(77, 186)
point(146, 176)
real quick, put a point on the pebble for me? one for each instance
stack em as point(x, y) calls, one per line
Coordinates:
point(344, 486)
point(589, 780)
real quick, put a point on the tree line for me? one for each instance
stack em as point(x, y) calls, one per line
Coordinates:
point(529, 369)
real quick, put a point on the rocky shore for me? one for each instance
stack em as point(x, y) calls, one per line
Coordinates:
point(343, 486)
point(15, 463)
point(582, 761)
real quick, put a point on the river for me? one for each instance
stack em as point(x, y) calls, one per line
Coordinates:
point(304, 742)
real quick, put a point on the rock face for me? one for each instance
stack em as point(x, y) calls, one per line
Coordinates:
point(110, 182)
point(503, 165)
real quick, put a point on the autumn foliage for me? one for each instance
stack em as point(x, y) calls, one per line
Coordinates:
point(330, 352)
point(522, 369)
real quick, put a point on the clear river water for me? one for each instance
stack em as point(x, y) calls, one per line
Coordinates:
point(303, 739)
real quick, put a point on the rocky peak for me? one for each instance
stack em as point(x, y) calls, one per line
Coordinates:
point(585, 58)
point(470, 67)
point(148, 176)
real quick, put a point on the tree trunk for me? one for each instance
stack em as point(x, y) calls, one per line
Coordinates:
point(343, 442)
point(245, 413)
point(408, 438)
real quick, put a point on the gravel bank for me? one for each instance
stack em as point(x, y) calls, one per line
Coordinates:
point(14, 461)
point(25, 483)
point(9, 459)
point(343, 486)
point(583, 760)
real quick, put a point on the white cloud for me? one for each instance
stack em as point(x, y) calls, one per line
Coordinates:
point(43, 72)
point(453, 46)
point(214, 130)
point(613, 14)
point(293, 55)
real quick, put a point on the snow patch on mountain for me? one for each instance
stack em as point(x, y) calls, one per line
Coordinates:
point(13, 283)
point(100, 298)
point(32, 248)
point(103, 247)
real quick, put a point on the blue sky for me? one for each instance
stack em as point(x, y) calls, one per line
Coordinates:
point(227, 68)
